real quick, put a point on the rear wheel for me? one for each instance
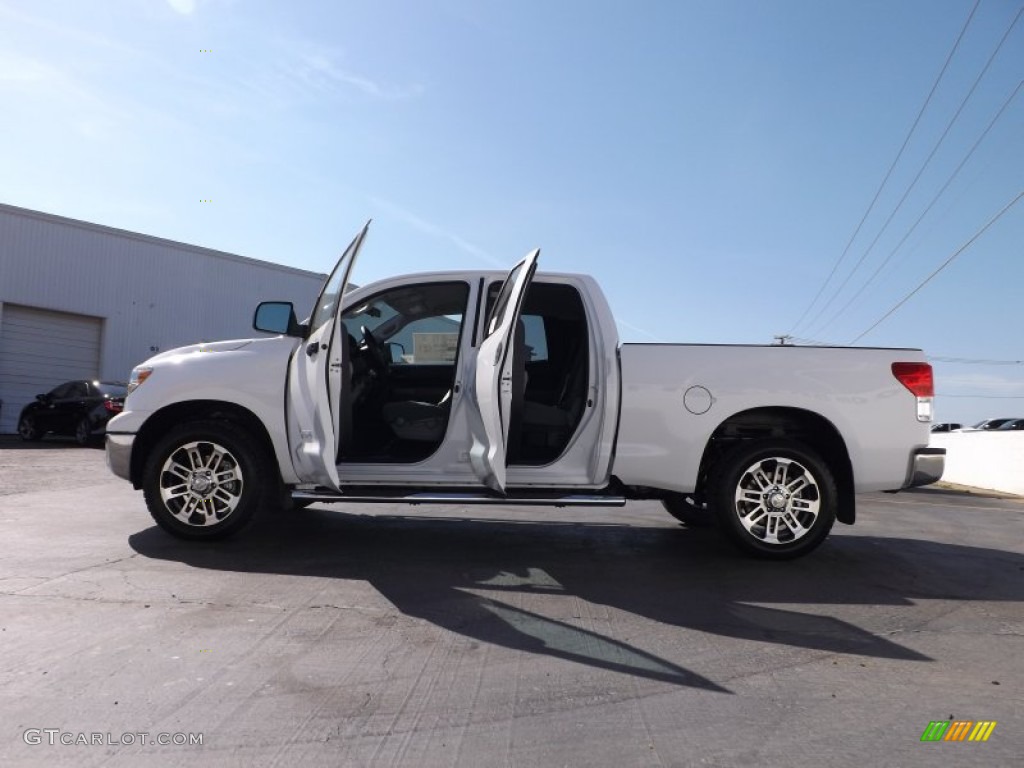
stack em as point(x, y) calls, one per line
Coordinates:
point(206, 480)
point(83, 431)
point(776, 499)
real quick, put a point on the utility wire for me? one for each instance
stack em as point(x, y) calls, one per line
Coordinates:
point(941, 267)
point(973, 361)
point(985, 397)
point(920, 172)
point(888, 173)
point(934, 358)
point(927, 209)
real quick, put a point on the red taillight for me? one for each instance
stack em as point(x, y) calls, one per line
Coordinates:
point(113, 406)
point(917, 377)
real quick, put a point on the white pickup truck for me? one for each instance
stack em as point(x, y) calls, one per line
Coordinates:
point(485, 388)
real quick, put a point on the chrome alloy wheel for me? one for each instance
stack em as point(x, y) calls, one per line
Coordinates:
point(777, 500)
point(201, 483)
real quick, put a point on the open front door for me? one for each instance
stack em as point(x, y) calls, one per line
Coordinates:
point(318, 382)
point(494, 377)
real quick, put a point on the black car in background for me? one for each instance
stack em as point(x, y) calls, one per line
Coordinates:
point(1012, 425)
point(77, 408)
point(987, 425)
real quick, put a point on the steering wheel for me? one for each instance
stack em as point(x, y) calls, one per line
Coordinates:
point(378, 357)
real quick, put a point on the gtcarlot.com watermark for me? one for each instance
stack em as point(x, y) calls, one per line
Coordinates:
point(55, 736)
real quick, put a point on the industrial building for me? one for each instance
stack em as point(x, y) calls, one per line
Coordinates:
point(80, 300)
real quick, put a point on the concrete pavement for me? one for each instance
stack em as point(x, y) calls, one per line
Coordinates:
point(392, 636)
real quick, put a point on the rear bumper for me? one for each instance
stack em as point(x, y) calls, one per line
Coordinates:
point(119, 454)
point(926, 465)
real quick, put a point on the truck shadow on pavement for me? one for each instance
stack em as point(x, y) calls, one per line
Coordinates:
point(466, 576)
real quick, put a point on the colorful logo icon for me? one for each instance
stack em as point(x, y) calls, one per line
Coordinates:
point(958, 730)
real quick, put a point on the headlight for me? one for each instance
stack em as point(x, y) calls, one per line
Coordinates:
point(138, 376)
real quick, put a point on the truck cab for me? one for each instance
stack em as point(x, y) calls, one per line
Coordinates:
point(455, 379)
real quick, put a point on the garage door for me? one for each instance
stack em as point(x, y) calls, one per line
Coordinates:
point(39, 349)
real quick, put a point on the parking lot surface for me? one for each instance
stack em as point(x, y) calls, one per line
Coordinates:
point(444, 636)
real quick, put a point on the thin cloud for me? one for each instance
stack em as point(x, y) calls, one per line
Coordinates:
point(427, 228)
point(16, 70)
point(184, 7)
point(318, 67)
point(85, 107)
point(980, 384)
point(40, 82)
point(638, 329)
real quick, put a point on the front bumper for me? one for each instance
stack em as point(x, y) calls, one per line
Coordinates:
point(926, 467)
point(119, 454)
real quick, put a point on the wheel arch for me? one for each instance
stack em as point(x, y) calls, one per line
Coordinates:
point(161, 421)
point(808, 427)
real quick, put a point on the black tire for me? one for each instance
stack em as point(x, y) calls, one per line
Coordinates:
point(225, 480)
point(689, 511)
point(780, 519)
point(83, 431)
point(285, 503)
point(27, 429)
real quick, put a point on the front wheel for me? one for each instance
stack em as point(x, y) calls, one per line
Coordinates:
point(206, 480)
point(28, 430)
point(776, 499)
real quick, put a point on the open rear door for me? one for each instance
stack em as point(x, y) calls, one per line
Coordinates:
point(494, 365)
point(318, 384)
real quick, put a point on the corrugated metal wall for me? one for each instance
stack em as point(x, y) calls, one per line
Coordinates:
point(152, 294)
point(39, 345)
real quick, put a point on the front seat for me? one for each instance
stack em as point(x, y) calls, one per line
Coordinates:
point(418, 421)
point(426, 422)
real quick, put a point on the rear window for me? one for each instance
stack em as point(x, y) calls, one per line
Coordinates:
point(111, 388)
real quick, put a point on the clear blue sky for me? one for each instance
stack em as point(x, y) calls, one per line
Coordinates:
point(707, 161)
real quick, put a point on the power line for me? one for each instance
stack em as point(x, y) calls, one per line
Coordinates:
point(928, 208)
point(803, 342)
point(985, 397)
point(800, 341)
point(941, 267)
point(921, 170)
point(888, 173)
point(973, 361)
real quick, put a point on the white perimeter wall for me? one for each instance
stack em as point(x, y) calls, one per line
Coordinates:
point(993, 460)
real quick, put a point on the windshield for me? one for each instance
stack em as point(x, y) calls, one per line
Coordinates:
point(372, 314)
point(990, 423)
point(998, 423)
point(422, 321)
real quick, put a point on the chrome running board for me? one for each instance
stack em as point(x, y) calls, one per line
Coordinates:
point(570, 500)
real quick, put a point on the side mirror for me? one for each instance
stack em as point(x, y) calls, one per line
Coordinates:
point(43, 398)
point(277, 317)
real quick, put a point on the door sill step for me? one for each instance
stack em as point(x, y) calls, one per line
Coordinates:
point(567, 500)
